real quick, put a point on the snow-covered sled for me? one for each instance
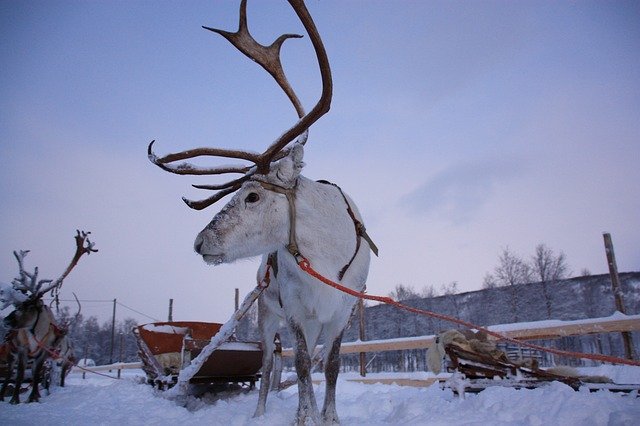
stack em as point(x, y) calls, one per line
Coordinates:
point(167, 347)
point(482, 371)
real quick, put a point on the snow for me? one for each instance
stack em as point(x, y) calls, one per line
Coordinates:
point(171, 329)
point(104, 401)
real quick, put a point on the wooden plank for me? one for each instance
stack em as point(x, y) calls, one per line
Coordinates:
point(575, 328)
point(401, 381)
point(416, 383)
point(527, 331)
point(114, 366)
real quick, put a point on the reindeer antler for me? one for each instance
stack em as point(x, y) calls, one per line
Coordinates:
point(269, 58)
point(29, 282)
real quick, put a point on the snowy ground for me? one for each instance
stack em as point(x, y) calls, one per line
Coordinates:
point(103, 401)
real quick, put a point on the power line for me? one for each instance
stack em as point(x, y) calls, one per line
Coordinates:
point(137, 312)
point(83, 300)
point(108, 301)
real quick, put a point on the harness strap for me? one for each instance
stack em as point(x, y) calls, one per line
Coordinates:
point(292, 247)
point(361, 231)
point(290, 193)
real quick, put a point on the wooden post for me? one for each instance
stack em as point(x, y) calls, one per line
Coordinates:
point(363, 359)
point(86, 352)
point(237, 300)
point(121, 350)
point(617, 291)
point(170, 310)
point(113, 331)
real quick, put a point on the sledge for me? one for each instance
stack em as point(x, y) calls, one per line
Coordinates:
point(482, 371)
point(166, 348)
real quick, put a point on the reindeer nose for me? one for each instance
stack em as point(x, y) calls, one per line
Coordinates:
point(197, 246)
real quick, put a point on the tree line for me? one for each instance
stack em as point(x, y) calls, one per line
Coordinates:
point(545, 265)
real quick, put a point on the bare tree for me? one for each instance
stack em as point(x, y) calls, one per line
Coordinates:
point(547, 266)
point(428, 291)
point(404, 292)
point(449, 289)
point(489, 281)
point(511, 270)
point(585, 272)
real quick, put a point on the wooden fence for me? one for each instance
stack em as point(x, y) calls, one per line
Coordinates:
point(550, 329)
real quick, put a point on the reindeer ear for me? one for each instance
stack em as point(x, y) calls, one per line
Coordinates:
point(288, 169)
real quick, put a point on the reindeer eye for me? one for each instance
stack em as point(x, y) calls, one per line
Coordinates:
point(252, 198)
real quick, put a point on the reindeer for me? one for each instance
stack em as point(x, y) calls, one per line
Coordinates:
point(64, 357)
point(34, 334)
point(277, 210)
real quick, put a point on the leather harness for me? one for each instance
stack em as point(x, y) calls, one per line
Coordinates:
point(292, 246)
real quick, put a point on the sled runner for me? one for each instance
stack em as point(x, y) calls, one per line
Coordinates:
point(167, 347)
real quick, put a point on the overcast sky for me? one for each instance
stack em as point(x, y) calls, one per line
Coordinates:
point(459, 128)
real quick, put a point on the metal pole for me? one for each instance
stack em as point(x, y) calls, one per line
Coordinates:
point(170, 310)
point(617, 291)
point(113, 331)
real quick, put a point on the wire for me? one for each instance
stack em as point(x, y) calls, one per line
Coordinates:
point(138, 312)
point(82, 300)
point(109, 301)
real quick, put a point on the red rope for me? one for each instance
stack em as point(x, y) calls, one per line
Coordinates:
point(306, 267)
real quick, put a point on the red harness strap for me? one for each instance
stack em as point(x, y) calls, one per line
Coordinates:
point(306, 267)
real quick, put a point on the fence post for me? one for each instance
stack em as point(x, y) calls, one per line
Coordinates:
point(617, 291)
point(121, 350)
point(86, 352)
point(363, 359)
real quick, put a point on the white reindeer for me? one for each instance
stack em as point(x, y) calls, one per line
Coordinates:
point(277, 210)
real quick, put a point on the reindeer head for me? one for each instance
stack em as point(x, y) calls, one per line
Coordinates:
point(255, 220)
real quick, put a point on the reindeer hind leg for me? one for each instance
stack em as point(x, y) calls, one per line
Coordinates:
point(332, 368)
point(307, 405)
point(36, 373)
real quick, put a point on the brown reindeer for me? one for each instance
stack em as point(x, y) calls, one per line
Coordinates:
point(34, 335)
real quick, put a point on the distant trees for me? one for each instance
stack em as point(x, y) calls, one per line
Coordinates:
point(407, 292)
point(544, 266)
point(547, 266)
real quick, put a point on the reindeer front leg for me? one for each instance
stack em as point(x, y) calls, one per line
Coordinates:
point(307, 406)
point(22, 364)
point(11, 359)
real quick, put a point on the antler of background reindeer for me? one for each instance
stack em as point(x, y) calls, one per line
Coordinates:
point(35, 288)
point(269, 58)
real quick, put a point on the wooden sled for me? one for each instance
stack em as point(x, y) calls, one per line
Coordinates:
point(483, 371)
point(165, 348)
